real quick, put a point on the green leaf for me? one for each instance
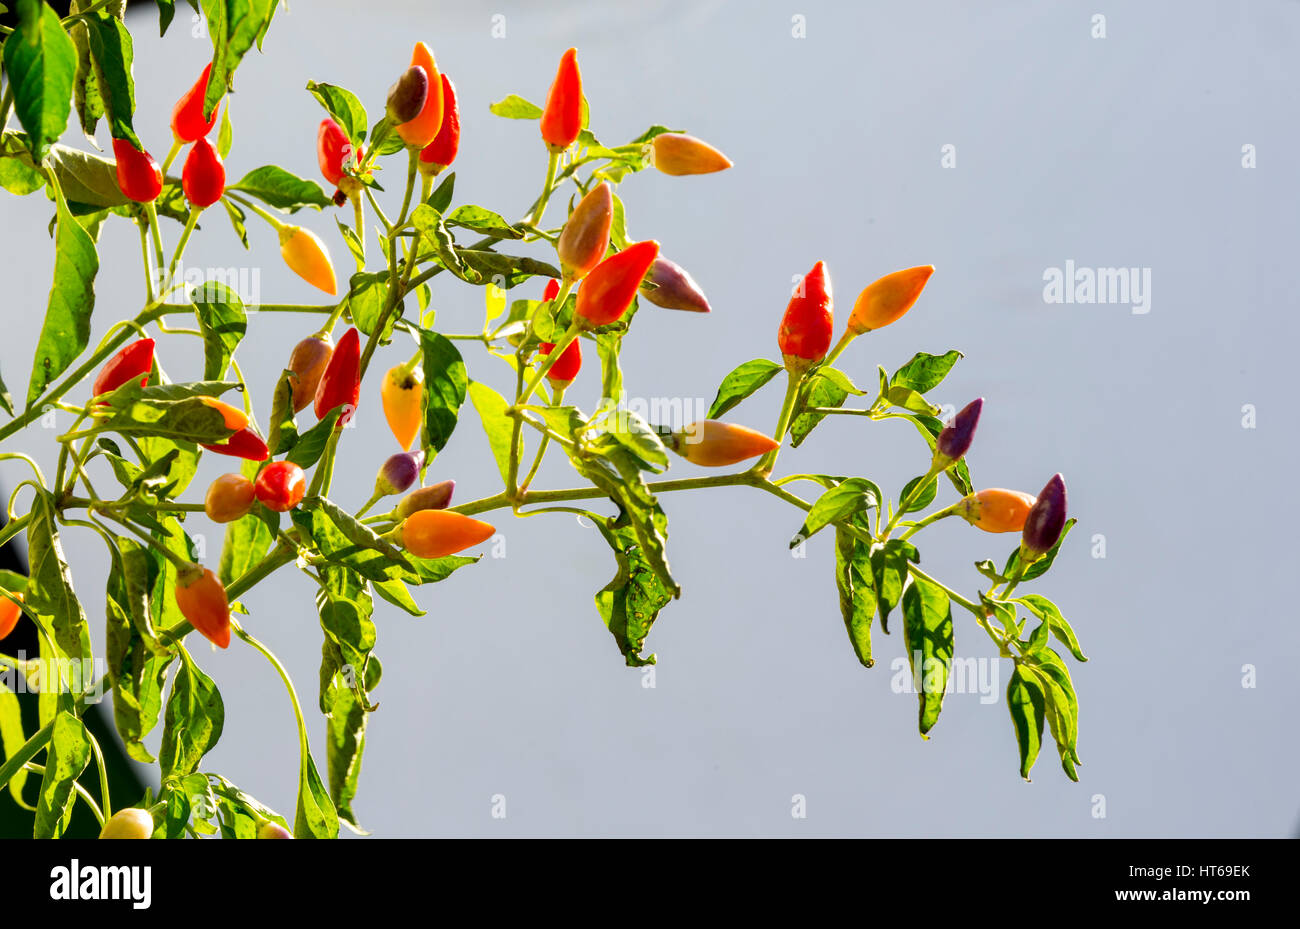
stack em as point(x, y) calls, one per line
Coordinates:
point(367, 299)
point(67, 756)
point(316, 817)
point(311, 444)
point(1051, 616)
point(741, 383)
point(112, 54)
point(358, 533)
point(927, 632)
point(282, 434)
point(223, 322)
point(637, 436)
point(819, 391)
point(346, 740)
point(618, 475)
point(86, 98)
point(193, 722)
point(857, 596)
point(12, 738)
point(630, 603)
point(925, 372)
point(440, 199)
point(516, 107)
point(479, 266)
point(41, 62)
point(396, 593)
point(281, 189)
point(237, 218)
point(188, 420)
point(136, 671)
point(1026, 705)
point(49, 589)
point(344, 107)
point(6, 401)
point(234, 26)
point(1061, 705)
point(225, 137)
point(889, 573)
point(430, 224)
point(66, 330)
point(445, 386)
point(491, 407)
point(484, 221)
point(924, 498)
point(840, 503)
point(1041, 566)
point(911, 400)
point(247, 539)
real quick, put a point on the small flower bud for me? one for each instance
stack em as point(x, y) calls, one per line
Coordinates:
point(957, 436)
point(674, 288)
point(1045, 521)
point(407, 95)
point(399, 472)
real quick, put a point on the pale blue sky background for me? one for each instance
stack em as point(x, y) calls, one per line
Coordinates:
point(1122, 151)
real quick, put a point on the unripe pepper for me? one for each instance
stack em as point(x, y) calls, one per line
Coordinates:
point(1045, 521)
point(272, 830)
point(439, 533)
point(201, 599)
point(674, 288)
point(402, 396)
point(715, 444)
point(10, 612)
point(955, 439)
point(188, 124)
point(805, 333)
point(585, 237)
point(340, 385)
point(420, 130)
point(612, 285)
point(234, 418)
point(886, 300)
point(307, 363)
point(434, 497)
point(566, 367)
point(229, 497)
point(307, 256)
point(334, 152)
point(243, 444)
point(131, 823)
point(398, 473)
point(441, 152)
point(407, 95)
point(995, 509)
point(280, 486)
point(138, 175)
point(676, 154)
point(134, 362)
point(562, 117)
point(203, 178)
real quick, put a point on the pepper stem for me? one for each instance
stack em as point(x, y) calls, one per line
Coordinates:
point(768, 461)
point(171, 155)
point(849, 336)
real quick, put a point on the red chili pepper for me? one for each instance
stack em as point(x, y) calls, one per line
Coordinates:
point(340, 385)
point(202, 601)
point(441, 152)
point(132, 362)
point(562, 118)
point(138, 175)
point(334, 151)
point(611, 287)
point(203, 178)
point(243, 444)
point(281, 486)
point(11, 612)
point(566, 367)
point(188, 124)
point(806, 327)
point(552, 290)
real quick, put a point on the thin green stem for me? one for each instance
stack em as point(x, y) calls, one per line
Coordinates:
point(359, 223)
point(552, 163)
point(849, 336)
point(148, 264)
point(907, 501)
point(15, 762)
point(190, 222)
point(768, 461)
point(84, 794)
point(413, 163)
point(171, 155)
point(932, 518)
point(155, 235)
point(288, 685)
point(103, 778)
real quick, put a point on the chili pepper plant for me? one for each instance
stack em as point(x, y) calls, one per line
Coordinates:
point(563, 287)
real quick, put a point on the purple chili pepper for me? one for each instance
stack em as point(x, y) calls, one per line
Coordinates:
point(957, 436)
point(1046, 519)
point(674, 288)
point(399, 472)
